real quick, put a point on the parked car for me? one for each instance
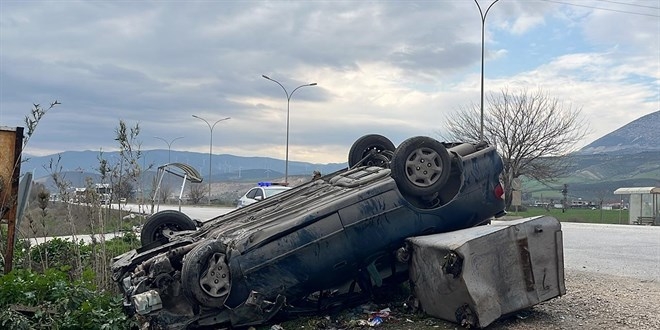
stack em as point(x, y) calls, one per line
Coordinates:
point(262, 191)
point(320, 245)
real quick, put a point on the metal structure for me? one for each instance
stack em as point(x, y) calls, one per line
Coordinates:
point(169, 145)
point(644, 204)
point(288, 101)
point(483, 23)
point(184, 171)
point(211, 127)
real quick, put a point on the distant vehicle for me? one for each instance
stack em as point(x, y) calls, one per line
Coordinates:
point(100, 192)
point(261, 192)
point(318, 246)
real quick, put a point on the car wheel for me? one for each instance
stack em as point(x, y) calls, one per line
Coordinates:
point(363, 148)
point(420, 166)
point(171, 220)
point(205, 274)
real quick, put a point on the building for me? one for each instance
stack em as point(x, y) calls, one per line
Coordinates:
point(644, 206)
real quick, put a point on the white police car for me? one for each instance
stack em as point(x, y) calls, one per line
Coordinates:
point(261, 192)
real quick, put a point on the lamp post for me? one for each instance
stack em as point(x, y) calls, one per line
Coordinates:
point(483, 23)
point(288, 101)
point(169, 145)
point(211, 127)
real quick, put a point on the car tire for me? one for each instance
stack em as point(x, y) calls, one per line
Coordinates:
point(205, 276)
point(168, 219)
point(420, 166)
point(364, 145)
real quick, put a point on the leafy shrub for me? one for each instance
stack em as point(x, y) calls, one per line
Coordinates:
point(56, 253)
point(50, 300)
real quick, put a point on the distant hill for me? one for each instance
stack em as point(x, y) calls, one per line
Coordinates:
point(224, 167)
point(626, 157)
point(596, 176)
point(231, 176)
point(639, 135)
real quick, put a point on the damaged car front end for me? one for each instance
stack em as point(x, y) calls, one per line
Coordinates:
point(321, 245)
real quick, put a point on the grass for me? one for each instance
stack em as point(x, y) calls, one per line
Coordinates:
point(58, 218)
point(583, 215)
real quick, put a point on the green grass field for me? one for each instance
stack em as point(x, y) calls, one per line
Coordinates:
point(577, 215)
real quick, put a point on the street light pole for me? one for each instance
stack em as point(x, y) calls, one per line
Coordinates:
point(169, 145)
point(288, 101)
point(483, 23)
point(211, 127)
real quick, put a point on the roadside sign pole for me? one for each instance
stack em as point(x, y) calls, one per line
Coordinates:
point(11, 139)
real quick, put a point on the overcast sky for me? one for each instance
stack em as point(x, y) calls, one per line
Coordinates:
point(396, 68)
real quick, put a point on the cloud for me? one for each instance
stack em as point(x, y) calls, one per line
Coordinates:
point(396, 68)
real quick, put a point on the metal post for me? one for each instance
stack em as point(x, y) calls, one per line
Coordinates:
point(288, 101)
point(483, 23)
point(211, 127)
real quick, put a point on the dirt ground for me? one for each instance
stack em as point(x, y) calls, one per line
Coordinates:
point(592, 301)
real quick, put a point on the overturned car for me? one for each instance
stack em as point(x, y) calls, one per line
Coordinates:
point(321, 245)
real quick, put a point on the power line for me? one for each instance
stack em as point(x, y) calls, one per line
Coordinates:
point(607, 9)
point(629, 4)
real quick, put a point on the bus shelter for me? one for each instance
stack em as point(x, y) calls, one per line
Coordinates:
point(644, 204)
point(184, 171)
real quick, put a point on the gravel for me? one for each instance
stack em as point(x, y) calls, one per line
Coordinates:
point(592, 301)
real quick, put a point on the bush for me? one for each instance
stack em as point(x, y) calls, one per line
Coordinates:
point(30, 300)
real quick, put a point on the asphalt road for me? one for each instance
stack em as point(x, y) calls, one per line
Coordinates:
point(197, 212)
point(623, 250)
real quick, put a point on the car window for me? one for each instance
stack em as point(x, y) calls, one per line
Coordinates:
point(253, 192)
point(259, 193)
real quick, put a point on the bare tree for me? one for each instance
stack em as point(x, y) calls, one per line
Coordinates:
point(533, 132)
point(165, 192)
point(197, 192)
point(123, 189)
point(123, 175)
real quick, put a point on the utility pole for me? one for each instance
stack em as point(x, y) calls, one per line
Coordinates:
point(483, 24)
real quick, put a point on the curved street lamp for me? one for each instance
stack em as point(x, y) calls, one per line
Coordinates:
point(288, 101)
point(169, 145)
point(211, 127)
point(483, 23)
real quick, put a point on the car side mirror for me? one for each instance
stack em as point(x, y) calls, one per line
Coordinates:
point(258, 198)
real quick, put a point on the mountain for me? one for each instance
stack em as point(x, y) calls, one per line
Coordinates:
point(639, 135)
point(594, 176)
point(81, 164)
point(626, 157)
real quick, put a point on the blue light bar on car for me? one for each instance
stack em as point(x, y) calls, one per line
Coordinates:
point(265, 184)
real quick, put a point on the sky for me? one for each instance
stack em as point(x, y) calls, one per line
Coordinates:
point(396, 68)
